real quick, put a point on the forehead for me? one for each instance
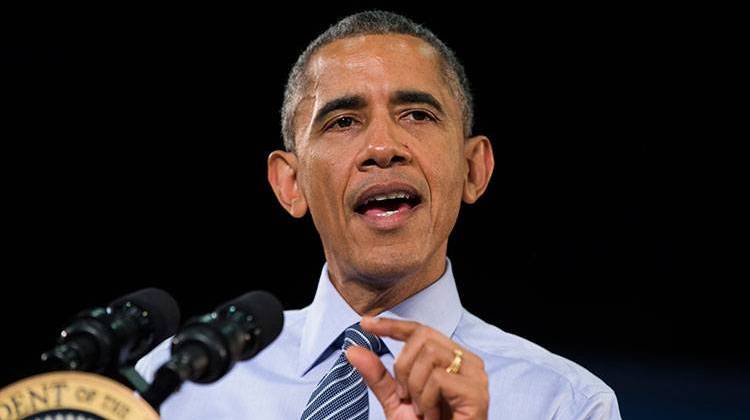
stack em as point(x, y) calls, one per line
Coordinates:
point(376, 64)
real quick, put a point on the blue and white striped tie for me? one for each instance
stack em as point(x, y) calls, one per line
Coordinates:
point(342, 393)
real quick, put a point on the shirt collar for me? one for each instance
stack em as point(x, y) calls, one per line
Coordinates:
point(437, 306)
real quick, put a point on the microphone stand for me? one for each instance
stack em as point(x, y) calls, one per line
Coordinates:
point(182, 366)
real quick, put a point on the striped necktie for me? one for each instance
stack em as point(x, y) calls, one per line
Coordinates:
point(342, 393)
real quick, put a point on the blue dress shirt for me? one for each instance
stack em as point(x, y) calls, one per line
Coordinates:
point(525, 380)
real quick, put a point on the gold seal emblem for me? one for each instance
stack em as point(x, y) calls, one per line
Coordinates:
point(72, 396)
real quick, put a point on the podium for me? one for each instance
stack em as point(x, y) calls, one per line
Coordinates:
point(72, 395)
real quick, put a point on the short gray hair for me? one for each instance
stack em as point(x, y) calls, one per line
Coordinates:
point(371, 23)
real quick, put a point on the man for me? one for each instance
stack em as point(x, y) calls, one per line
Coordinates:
point(377, 128)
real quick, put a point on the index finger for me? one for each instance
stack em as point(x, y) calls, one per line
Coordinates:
point(388, 327)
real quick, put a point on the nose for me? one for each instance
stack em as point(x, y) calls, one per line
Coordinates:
point(382, 148)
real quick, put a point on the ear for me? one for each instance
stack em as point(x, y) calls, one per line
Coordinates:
point(480, 163)
point(282, 175)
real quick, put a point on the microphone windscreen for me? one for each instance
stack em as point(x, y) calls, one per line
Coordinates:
point(268, 314)
point(162, 309)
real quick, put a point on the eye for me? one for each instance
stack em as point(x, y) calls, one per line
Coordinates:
point(418, 115)
point(341, 123)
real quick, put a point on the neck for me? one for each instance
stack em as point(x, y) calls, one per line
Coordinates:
point(368, 297)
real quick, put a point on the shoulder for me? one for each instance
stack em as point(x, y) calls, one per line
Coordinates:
point(526, 371)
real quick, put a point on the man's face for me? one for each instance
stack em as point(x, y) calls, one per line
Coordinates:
point(380, 150)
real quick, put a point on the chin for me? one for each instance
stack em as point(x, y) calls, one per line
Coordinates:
point(385, 270)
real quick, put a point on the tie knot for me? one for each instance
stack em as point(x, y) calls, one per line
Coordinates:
point(354, 336)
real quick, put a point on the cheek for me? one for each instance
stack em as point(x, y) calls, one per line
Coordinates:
point(448, 176)
point(446, 185)
point(324, 189)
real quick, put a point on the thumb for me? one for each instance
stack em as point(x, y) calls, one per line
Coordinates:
point(378, 379)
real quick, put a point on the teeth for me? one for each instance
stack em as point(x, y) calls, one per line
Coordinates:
point(387, 213)
point(391, 196)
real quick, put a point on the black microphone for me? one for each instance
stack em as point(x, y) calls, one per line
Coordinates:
point(207, 347)
point(104, 339)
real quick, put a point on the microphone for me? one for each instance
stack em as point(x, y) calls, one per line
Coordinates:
point(103, 339)
point(207, 347)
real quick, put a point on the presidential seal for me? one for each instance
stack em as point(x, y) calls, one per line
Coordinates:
point(72, 396)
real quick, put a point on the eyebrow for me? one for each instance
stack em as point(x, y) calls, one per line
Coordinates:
point(345, 102)
point(402, 97)
point(355, 102)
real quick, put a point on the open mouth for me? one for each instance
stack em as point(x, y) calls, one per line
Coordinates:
point(387, 203)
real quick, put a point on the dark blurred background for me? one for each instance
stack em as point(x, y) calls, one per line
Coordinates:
point(134, 149)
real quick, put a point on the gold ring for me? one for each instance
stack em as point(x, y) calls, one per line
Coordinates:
point(456, 363)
